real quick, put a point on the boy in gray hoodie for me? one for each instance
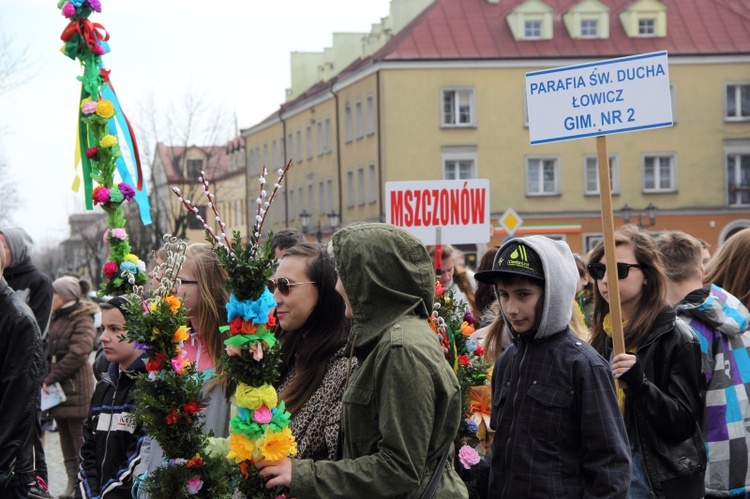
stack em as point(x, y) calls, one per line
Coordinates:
point(558, 428)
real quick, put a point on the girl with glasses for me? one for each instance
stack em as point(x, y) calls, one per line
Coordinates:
point(313, 333)
point(659, 376)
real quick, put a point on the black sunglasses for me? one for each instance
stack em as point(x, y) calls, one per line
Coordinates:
point(284, 285)
point(597, 270)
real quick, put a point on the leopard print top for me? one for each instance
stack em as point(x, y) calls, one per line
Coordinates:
point(315, 425)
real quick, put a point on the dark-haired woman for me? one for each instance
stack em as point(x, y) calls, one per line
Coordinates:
point(660, 375)
point(314, 333)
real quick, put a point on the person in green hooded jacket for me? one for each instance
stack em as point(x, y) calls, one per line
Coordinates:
point(402, 407)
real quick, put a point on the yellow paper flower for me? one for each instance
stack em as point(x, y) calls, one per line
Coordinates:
point(130, 257)
point(240, 447)
point(275, 446)
point(105, 109)
point(181, 334)
point(252, 398)
point(108, 141)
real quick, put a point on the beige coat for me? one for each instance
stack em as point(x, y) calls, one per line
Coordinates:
point(71, 337)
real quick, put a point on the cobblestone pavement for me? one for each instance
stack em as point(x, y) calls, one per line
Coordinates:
point(55, 466)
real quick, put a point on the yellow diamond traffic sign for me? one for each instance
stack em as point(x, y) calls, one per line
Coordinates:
point(510, 221)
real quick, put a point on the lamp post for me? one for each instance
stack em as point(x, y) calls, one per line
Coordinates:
point(304, 219)
point(333, 220)
point(650, 212)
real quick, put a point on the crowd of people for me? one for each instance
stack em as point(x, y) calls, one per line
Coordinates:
point(375, 408)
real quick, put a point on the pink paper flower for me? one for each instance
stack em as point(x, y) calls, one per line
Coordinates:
point(468, 456)
point(119, 234)
point(69, 10)
point(100, 195)
point(194, 485)
point(89, 107)
point(233, 350)
point(262, 415)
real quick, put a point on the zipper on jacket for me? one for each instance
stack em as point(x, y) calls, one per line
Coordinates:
point(515, 398)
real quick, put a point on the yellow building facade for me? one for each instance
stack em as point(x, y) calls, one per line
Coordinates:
point(397, 117)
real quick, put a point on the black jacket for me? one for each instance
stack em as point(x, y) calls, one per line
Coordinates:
point(34, 287)
point(664, 408)
point(111, 441)
point(559, 431)
point(20, 382)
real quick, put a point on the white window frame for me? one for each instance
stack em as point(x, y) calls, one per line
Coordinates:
point(737, 152)
point(348, 131)
point(370, 114)
point(372, 174)
point(672, 157)
point(309, 140)
point(451, 157)
point(646, 27)
point(543, 162)
point(586, 25)
point(737, 97)
point(456, 111)
point(327, 138)
point(614, 174)
point(533, 29)
point(350, 189)
point(358, 120)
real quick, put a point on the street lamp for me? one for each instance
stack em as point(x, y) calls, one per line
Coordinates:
point(304, 219)
point(650, 211)
point(333, 220)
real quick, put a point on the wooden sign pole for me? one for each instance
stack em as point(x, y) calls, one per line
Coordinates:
point(608, 231)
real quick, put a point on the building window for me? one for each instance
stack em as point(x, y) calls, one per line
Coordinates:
point(659, 173)
point(273, 154)
point(590, 240)
point(591, 175)
point(350, 189)
point(290, 145)
point(299, 145)
point(370, 115)
point(321, 137)
point(265, 155)
point(372, 182)
point(738, 101)
point(361, 185)
point(646, 27)
point(459, 162)
point(348, 122)
point(321, 197)
point(738, 179)
point(458, 107)
point(194, 167)
point(310, 198)
point(589, 28)
point(308, 137)
point(532, 29)
point(292, 207)
point(358, 124)
point(542, 176)
point(329, 195)
point(327, 141)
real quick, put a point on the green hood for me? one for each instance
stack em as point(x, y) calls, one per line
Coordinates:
point(387, 273)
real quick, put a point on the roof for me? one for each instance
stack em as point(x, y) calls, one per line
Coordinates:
point(477, 29)
point(451, 30)
point(218, 161)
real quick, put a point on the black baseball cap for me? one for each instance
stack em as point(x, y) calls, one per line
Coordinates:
point(513, 258)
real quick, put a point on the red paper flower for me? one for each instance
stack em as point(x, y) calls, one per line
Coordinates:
point(463, 360)
point(110, 269)
point(235, 327)
point(192, 408)
point(157, 363)
point(91, 152)
point(271, 321)
point(479, 351)
point(172, 417)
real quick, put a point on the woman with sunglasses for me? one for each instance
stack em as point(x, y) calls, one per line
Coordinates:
point(659, 376)
point(314, 332)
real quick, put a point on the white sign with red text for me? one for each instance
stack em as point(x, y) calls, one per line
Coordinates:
point(461, 208)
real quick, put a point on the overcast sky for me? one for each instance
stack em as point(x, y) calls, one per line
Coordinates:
point(234, 53)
